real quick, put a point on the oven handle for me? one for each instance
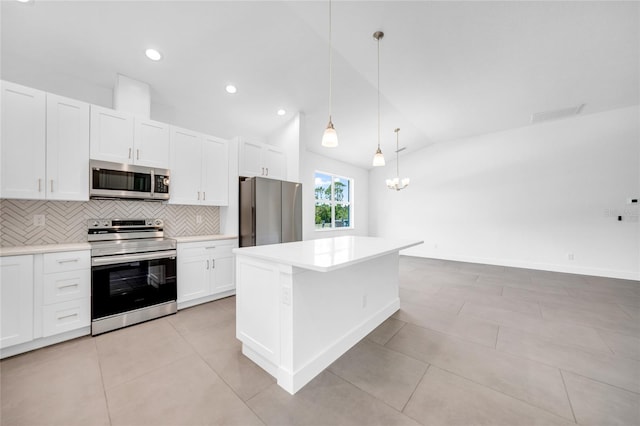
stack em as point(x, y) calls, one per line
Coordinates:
point(124, 258)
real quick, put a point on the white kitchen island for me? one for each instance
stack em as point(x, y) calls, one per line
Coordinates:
point(301, 305)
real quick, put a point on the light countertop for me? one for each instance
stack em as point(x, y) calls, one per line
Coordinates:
point(327, 254)
point(54, 248)
point(196, 238)
point(44, 248)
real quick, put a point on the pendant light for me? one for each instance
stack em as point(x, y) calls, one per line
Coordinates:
point(330, 137)
point(378, 158)
point(397, 183)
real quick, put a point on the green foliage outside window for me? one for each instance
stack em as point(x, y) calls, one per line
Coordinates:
point(333, 201)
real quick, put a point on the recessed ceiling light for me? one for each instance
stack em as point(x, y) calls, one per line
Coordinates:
point(231, 88)
point(153, 54)
point(281, 112)
point(24, 1)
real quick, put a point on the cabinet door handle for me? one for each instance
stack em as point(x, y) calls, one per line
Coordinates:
point(39, 184)
point(51, 185)
point(68, 260)
point(129, 154)
point(198, 195)
point(267, 171)
point(213, 264)
point(204, 195)
point(262, 174)
point(207, 263)
point(137, 154)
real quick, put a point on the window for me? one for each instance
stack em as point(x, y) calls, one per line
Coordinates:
point(333, 201)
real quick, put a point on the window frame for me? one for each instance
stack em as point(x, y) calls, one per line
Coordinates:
point(333, 202)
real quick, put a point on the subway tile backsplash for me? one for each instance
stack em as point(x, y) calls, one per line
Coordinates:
point(66, 221)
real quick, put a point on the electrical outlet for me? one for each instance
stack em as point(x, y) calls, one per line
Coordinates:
point(38, 220)
point(570, 256)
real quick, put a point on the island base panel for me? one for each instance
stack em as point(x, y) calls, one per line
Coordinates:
point(294, 322)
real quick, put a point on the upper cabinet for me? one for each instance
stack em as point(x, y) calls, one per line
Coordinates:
point(199, 168)
point(260, 159)
point(119, 137)
point(44, 146)
point(67, 149)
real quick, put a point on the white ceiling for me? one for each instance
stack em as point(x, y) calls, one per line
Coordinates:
point(448, 69)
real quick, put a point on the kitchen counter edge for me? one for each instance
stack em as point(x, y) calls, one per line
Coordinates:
point(43, 248)
point(197, 238)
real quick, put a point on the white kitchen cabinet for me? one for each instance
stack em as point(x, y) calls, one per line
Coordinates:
point(260, 159)
point(118, 137)
point(66, 302)
point(111, 135)
point(23, 143)
point(67, 166)
point(45, 145)
point(205, 271)
point(199, 169)
point(45, 299)
point(151, 143)
point(16, 300)
point(215, 171)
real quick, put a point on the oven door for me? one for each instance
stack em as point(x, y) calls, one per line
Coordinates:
point(125, 283)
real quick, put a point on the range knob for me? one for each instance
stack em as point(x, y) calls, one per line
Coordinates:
point(158, 222)
point(105, 223)
point(149, 222)
point(96, 223)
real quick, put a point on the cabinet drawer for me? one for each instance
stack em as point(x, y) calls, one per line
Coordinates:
point(65, 286)
point(66, 261)
point(66, 316)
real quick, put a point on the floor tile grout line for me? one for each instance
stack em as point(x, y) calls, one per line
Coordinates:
point(414, 390)
point(396, 332)
point(599, 333)
point(201, 356)
point(104, 388)
point(330, 371)
point(572, 372)
point(500, 392)
point(568, 397)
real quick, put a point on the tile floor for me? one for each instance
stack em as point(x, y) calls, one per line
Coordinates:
point(472, 344)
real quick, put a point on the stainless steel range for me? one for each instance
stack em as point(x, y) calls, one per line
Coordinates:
point(133, 272)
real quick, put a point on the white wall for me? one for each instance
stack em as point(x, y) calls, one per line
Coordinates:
point(526, 197)
point(288, 138)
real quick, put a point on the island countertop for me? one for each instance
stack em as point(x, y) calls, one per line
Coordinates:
point(327, 254)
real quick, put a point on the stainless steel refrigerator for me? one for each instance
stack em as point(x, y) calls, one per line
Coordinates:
point(270, 211)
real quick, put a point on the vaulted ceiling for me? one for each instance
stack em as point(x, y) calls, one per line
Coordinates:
point(447, 69)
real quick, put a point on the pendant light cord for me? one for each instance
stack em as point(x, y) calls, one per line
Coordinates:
point(330, 62)
point(397, 154)
point(378, 93)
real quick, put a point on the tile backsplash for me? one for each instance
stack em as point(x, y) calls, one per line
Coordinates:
point(66, 221)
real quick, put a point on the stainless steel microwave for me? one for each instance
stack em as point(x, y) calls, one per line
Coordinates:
point(116, 180)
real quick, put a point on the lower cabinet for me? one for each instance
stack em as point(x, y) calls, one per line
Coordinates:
point(16, 300)
point(205, 271)
point(44, 298)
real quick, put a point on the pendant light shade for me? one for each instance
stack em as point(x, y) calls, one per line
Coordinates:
point(378, 158)
point(330, 137)
point(397, 183)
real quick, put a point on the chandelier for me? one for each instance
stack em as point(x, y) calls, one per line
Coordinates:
point(397, 183)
